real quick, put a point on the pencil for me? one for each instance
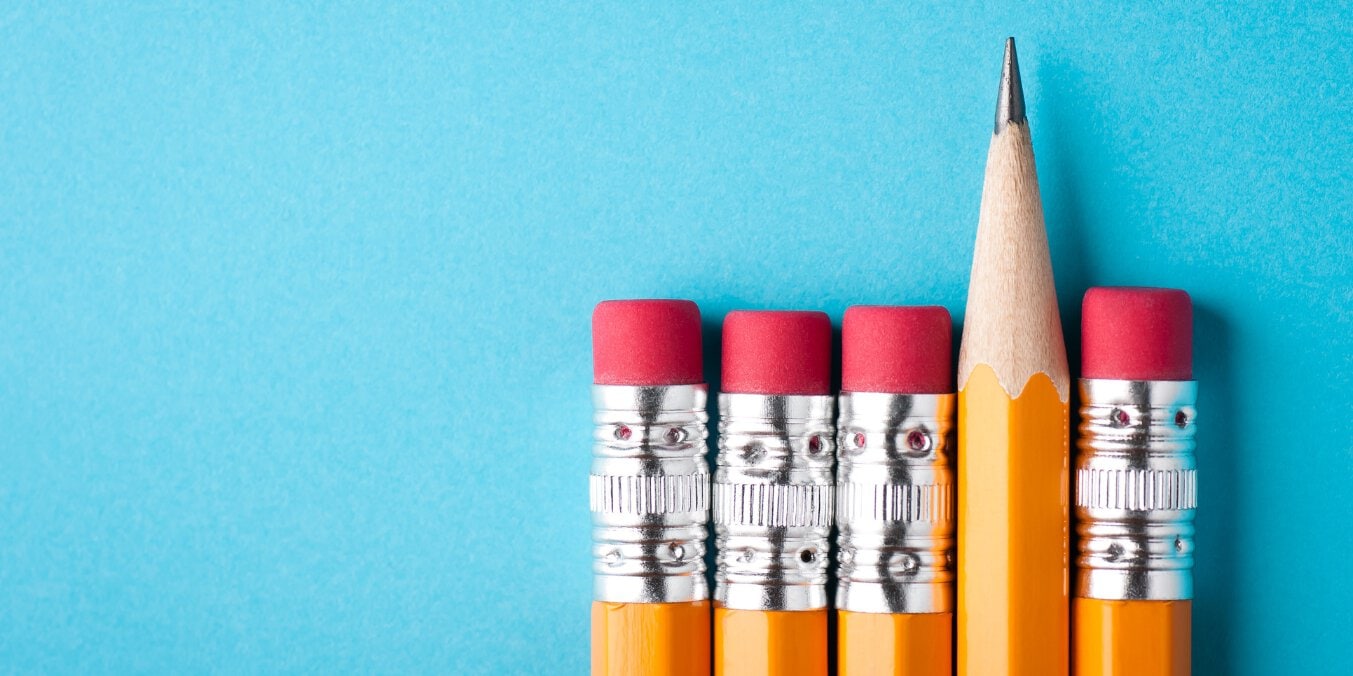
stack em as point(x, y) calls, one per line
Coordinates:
point(1136, 484)
point(649, 489)
point(895, 493)
point(773, 495)
point(1013, 392)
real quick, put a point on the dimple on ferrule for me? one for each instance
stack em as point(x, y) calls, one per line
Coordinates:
point(1136, 490)
point(895, 503)
point(773, 501)
point(649, 490)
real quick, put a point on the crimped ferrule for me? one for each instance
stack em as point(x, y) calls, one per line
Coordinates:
point(773, 501)
point(649, 494)
point(1136, 490)
point(895, 503)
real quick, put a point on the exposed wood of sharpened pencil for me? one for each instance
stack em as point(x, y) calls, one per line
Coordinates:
point(1011, 322)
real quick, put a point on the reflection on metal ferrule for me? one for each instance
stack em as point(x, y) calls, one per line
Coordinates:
point(895, 503)
point(773, 501)
point(649, 494)
point(1136, 490)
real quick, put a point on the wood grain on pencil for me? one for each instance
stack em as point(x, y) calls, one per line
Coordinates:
point(1012, 323)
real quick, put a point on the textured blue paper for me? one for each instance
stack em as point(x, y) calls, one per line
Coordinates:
point(294, 331)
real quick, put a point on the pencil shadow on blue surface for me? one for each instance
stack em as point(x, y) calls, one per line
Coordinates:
point(1219, 495)
point(711, 332)
point(1065, 213)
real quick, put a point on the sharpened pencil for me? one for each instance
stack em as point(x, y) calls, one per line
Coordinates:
point(1013, 396)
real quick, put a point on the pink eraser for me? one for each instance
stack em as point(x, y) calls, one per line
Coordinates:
point(1136, 333)
point(902, 350)
point(646, 342)
point(777, 352)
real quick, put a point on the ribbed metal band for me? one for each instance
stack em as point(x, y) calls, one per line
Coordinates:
point(1136, 490)
point(895, 503)
point(773, 501)
point(649, 494)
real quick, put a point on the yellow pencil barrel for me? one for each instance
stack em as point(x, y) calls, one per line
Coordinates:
point(650, 639)
point(1013, 503)
point(1131, 638)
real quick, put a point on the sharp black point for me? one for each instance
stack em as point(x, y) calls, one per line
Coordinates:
point(1010, 99)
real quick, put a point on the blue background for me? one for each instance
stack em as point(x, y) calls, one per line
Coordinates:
point(294, 333)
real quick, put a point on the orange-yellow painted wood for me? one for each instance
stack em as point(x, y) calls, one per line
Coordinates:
point(902, 644)
point(757, 642)
point(1132, 638)
point(652, 639)
point(1013, 499)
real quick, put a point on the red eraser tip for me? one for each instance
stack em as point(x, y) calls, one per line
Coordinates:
point(1137, 333)
point(902, 350)
point(777, 353)
point(646, 342)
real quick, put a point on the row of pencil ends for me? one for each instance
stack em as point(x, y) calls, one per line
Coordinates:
point(876, 465)
point(1128, 333)
point(947, 557)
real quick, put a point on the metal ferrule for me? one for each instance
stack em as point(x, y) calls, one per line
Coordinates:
point(895, 503)
point(649, 494)
point(773, 501)
point(1136, 490)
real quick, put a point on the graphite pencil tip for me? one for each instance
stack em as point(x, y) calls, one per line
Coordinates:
point(1010, 99)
